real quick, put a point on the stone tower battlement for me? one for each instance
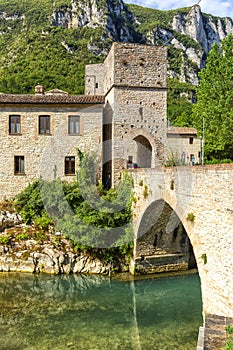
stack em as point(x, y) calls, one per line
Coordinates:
point(127, 64)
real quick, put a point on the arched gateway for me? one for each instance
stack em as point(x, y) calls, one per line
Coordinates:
point(177, 205)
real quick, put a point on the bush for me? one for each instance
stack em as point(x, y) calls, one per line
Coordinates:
point(190, 217)
point(83, 211)
point(22, 236)
point(229, 343)
point(4, 240)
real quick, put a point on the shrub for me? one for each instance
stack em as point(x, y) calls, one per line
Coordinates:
point(140, 183)
point(22, 236)
point(145, 192)
point(229, 343)
point(190, 217)
point(204, 258)
point(4, 240)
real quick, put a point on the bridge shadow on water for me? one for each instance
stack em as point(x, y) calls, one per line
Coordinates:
point(94, 312)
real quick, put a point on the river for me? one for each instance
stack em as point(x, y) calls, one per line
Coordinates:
point(42, 312)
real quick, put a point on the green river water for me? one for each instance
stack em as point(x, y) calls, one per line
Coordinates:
point(40, 312)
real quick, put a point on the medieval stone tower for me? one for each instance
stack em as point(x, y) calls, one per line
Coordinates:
point(133, 80)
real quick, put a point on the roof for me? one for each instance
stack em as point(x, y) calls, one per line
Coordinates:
point(181, 130)
point(51, 98)
point(56, 91)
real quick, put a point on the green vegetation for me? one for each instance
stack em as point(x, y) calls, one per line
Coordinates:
point(148, 18)
point(22, 236)
point(145, 192)
point(215, 102)
point(190, 217)
point(34, 50)
point(180, 97)
point(37, 48)
point(88, 215)
point(4, 239)
point(204, 258)
point(229, 344)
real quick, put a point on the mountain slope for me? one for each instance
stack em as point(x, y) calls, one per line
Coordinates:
point(51, 41)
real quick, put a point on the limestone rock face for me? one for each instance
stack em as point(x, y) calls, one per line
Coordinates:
point(192, 25)
point(48, 259)
point(111, 15)
point(52, 254)
point(203, 29)
point(8, 219)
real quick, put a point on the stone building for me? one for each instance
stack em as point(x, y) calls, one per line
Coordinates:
point(121, 117)
point(183, 145)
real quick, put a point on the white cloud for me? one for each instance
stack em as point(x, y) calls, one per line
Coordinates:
point(221, 8)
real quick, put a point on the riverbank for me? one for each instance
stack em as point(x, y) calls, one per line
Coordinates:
point(26, 248)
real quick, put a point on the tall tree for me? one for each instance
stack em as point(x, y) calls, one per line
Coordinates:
point(215, 101)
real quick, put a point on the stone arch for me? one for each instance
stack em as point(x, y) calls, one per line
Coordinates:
point(140, 152)
point(162, 243)
point(144, 149)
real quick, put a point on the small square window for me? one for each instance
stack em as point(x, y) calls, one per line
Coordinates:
point(191, 140)
point(69, 165)
point(14, 124)
point(44, 124)
point(19, 165)
point(74, 125)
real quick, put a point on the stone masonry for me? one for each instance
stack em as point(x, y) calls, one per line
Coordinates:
point(202, 198)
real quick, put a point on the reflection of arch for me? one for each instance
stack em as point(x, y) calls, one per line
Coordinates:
point(162, 243)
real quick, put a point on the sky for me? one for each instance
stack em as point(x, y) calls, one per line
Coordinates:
point(220, 8)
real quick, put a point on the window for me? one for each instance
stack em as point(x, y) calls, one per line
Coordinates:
point(74, 124)
point(69, 165)
point(191, 140)
point(14, 124)
point(19, 165)
point(44, 124)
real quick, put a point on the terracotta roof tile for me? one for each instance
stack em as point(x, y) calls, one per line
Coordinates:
point(50, 99)
point(181, 130)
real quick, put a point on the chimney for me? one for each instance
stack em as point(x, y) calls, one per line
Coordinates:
point(39, 89)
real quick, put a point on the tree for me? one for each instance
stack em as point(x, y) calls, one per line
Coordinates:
point(215, 101)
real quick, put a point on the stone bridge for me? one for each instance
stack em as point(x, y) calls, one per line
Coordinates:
point(186, 212)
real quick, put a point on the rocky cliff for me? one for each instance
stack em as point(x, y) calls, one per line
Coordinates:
point(113, 15)
point(188, 30)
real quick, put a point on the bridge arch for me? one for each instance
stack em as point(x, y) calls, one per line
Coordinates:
point(162, 243)
point(204, 193)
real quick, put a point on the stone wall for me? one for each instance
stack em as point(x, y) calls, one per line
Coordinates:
point(44, 155)
point(213, 336)
point(180, 147)
point(94, 79)
point(139, 65)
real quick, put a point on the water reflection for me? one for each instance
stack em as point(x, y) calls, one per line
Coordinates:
point(93, 312)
